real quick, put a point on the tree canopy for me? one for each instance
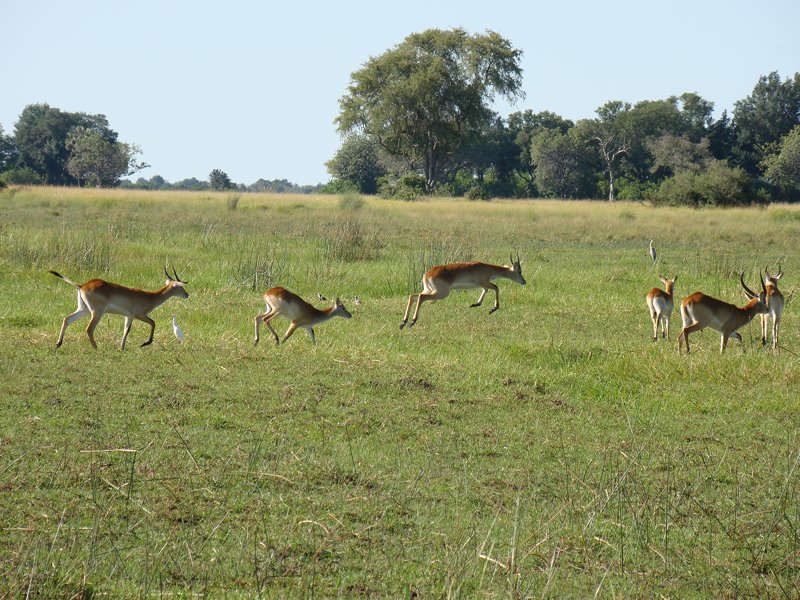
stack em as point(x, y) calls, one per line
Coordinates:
point(424, 98)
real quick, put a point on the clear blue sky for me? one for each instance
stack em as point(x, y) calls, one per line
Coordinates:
point(252, 87)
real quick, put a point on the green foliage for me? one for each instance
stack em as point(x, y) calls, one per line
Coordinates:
point(761, 120)
point(782, 170)
point(41, 135)
point(23, 176)
point(718, 185)
point(218, 180)
point(96, 161)
point(424, 95)
point(409, 186)
point(358, 163)
point(561, 161)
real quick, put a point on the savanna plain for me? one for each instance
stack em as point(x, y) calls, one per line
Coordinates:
point(550, 449)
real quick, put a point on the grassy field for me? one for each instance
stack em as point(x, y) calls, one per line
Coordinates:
point(550, 449)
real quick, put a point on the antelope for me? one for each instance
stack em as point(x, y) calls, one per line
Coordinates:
point(282, 302)
point(98, 297)
point(699, 311)
point(659, 303)
point(438, 281)
point(774, 306)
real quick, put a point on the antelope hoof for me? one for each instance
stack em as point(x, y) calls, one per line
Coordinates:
point(58, 344)
point(494, 309)
point(410, 325)
point(146, 343)
point(402, 324)
point(255, 343)
point(474, 305)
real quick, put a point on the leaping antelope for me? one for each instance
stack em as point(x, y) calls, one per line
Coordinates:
point(438, 281)
point(774, 306)
point(699, 311)
point(281, 301)
point(98, 297)
point(659, 303)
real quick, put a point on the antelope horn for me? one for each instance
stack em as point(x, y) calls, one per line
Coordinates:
point(169, 277)
point(763, 287)
point(750, 293)
point(780, 271)
point(177, 277)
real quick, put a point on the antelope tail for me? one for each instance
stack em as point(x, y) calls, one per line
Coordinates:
point(69, 281)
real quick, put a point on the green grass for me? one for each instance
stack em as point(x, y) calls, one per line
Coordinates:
point(548, 450)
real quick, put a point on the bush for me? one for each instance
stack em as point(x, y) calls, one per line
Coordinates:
point(719, 185)
point(409, 186)
point(479, 191)
point(23, 176)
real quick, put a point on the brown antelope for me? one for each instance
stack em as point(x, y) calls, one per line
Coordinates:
point(659, 303)
point(98, 297)
point(699, 311)
point(282, 302)
point(774, 306)
point(437, 283)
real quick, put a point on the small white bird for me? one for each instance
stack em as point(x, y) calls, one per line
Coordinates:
point(177, 330)
point(652, 251)
point(357, 301)
point(321, 297)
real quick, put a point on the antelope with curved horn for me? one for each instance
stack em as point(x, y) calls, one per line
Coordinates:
point(282, 302)
point(98, 297)
point(438, 281)
point(699, 311)
point(659, 304)
point(775, 306)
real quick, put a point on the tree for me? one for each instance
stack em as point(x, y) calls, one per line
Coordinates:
point(764, 117)
point(421, 99)
point(95, 160)
point(358, 162)
point(783, 169)
point(561, 162)
point(219, 180)
point(522, 127)
point(8, 151)
point(41, 134)
point(673, 154)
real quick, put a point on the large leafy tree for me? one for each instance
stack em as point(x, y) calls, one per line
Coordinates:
point(95, 160)
point(783, 169)
point(422, 99)
point(562, 163)
point(764, 117)
point(358, 162)
point(41, 135)
point(8, 151)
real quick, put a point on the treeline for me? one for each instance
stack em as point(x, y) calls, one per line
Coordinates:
point(417, 120)
point(219, 181)
point(54, 147)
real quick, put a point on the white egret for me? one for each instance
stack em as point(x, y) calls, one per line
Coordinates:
point(177, 330)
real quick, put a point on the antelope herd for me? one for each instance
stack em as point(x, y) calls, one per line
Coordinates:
point(698, 310)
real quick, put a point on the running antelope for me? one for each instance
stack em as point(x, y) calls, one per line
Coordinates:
point(699, 311)
point(281, 301)
point(437, 283)
point(774, 306)
point(659, 303)
point(98, 297)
